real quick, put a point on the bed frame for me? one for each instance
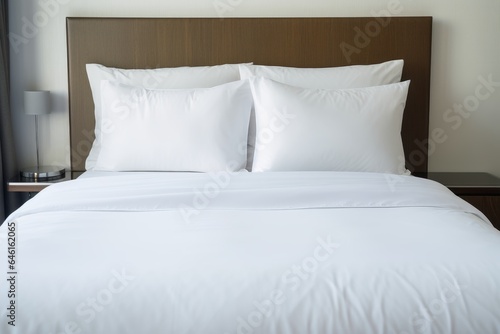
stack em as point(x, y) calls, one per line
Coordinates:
point(298, 42)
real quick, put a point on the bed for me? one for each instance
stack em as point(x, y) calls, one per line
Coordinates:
point(315, 225)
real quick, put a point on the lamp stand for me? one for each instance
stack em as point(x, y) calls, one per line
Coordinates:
point(41, 173)
point(36, 140)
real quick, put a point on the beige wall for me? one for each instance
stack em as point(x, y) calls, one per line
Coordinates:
point(466, 52)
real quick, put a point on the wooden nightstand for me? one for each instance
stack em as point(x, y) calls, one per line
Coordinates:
point(479, 189)
point(19, 184)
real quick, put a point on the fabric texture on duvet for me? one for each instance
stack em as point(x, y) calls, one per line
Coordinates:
point(315, 252)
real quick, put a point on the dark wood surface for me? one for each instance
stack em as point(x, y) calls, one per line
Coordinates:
point(19, 184)
point(489, 205)
point(466, 183)
point(479, 189)
point(298, 42)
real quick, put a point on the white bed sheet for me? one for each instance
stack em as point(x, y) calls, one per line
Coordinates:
point(317, 252)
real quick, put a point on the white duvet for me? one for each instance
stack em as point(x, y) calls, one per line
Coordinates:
point(248, 253)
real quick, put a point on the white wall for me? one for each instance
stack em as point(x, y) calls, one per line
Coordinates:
point(466, 46)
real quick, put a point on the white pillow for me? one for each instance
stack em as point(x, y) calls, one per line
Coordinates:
point(200, 130)
point(301, 129)
point(355, 76)
point(177, 77)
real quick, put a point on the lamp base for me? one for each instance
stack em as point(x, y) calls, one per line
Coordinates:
point(43, 173)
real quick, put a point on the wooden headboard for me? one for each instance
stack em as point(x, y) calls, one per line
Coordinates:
point(298, 42)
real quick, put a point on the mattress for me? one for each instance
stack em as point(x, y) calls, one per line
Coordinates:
point(278, 252)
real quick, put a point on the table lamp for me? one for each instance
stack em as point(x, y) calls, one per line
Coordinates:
point(38, 103)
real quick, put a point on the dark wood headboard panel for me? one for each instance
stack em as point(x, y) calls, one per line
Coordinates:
point(298, 42)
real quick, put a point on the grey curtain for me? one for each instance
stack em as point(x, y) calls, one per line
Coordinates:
point(8, 165)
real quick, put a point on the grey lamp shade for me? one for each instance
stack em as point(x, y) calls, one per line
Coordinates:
point(37, 102)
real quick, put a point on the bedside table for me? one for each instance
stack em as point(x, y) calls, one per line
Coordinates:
point(19, 184)
point(479, 189)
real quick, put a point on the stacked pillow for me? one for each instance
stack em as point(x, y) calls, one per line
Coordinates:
point(292, 119)
point(344, 77)
point(162, 78)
